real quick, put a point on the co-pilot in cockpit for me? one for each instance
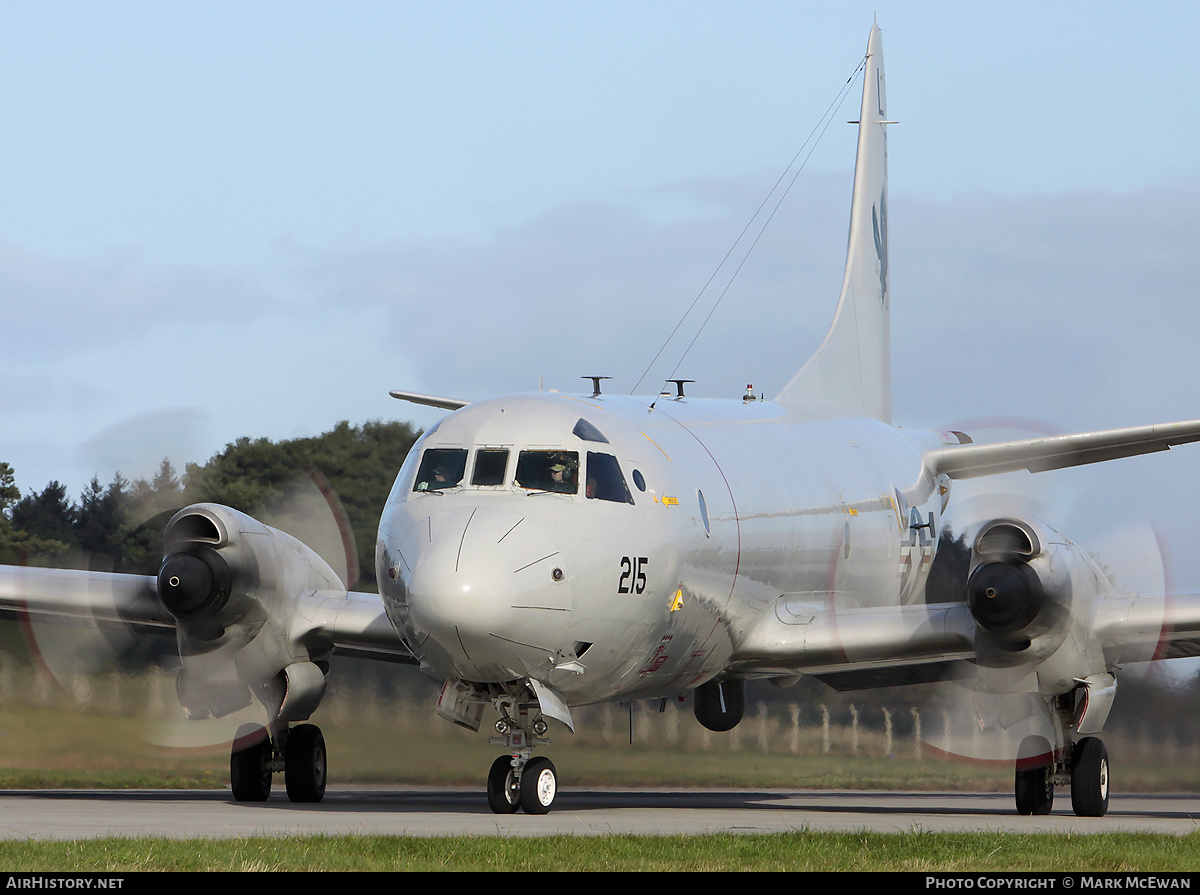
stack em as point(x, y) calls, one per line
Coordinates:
point(556, 471)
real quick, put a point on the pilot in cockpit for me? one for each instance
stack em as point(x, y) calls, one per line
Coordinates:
point(563, 477)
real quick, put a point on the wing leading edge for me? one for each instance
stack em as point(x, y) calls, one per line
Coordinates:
point(816, 640)
point(355, 625)
point(1059, 451)
point(880, 646)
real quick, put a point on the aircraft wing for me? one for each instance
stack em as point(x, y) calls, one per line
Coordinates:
point(71, 594)
point(967, 461)
point(881, 646)
point(1136, 628)
point(356, 626)
point(884, 645)
point(353, 625)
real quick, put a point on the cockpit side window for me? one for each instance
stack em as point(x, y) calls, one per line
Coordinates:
point(604, 479)
point(441, 468)
point(490, 465)
point(549, 471)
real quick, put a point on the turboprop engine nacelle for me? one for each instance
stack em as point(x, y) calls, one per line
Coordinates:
point(233, 586)
point(1020, 589)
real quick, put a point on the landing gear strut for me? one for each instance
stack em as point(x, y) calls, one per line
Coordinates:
point(256, 755)
point(516, 780)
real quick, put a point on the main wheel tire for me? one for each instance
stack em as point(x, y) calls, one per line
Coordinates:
point(504, 796)
point(249, 764)
point(1034, 788)
point(539, 786)
point(305, 767)
point(1089, 778)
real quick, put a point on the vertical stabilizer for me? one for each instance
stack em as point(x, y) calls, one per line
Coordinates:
point(850, 373)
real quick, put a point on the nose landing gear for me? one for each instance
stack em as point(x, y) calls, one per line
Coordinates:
point(517, 780)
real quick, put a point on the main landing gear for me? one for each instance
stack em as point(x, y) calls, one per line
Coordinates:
point(1084, 768)
point(298, 751)
point(516, 780)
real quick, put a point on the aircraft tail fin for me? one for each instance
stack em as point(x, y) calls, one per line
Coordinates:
point(850, 373)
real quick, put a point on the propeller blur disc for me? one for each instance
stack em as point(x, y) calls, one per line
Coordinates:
point(988, 716)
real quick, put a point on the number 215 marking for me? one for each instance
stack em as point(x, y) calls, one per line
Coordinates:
point(633, 575)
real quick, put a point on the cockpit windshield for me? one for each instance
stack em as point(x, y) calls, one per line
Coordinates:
point(549, 471)
point(441, 468)
point(543, 470)
point(604, 479)
point(490, 465)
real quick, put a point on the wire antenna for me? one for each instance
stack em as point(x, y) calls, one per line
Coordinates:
point(810, 143)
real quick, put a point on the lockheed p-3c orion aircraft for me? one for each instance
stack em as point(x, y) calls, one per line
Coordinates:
point(542, 552)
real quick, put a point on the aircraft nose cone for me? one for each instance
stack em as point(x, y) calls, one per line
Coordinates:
point(490, 586)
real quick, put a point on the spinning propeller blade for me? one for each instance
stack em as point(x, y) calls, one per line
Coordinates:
point(1034, 596)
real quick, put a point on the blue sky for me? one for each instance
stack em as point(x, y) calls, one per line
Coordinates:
point(209, 133)
point(257, 218)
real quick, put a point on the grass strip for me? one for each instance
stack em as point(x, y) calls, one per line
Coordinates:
point(800, 851)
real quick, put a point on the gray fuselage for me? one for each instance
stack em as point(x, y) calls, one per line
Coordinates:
point(605, 593)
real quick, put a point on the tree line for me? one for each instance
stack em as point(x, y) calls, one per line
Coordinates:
point(118, 527)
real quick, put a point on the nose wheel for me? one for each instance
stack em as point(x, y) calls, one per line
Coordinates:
point(517, 781)
point(503, 786)
point(532, 788)
point(539, 786)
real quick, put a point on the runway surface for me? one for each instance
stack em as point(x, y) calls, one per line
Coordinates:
point(79, 814)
